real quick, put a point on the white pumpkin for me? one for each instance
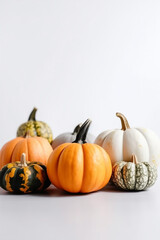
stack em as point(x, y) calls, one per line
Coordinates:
point(122, 144)
point(69, 137)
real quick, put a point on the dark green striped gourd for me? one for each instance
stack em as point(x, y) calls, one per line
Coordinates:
point(24, 177)
point(134, 175)
point(35, 128)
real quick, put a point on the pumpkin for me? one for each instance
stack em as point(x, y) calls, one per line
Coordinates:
point(121, 144)
point(79, 166)
point(36, 128)
point(24, 177)
point(36, 149)
point(69, 137)
point(134, 175)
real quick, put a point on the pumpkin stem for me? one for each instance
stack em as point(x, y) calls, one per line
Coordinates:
point(124, 121)
point(23, 160)
point(134, 159)
point(32, 116)
point(27, 134)
point(82, 134)
point(77, 128)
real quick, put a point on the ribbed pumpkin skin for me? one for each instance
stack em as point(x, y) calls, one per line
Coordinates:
point(36, 128)
point(121, 144)
point(131, 176)
point(30, 178)
point(78, 167)
point(37, 149)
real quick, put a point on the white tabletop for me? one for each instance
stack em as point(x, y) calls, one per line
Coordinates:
point(107, 214)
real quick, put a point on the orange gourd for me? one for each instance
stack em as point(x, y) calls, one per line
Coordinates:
point(37, 149)
point(79, 166)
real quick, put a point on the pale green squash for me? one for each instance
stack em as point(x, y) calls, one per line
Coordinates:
point(134, 175)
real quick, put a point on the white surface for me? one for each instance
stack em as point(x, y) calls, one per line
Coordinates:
point(107, 214)
point(74, 60)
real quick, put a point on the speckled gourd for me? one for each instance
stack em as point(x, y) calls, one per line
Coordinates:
point(69, 137)
point(134, 175)
point(120, 144)
point(35, 128)
point(24, 177)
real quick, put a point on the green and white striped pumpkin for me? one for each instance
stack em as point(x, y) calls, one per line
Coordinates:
point(134, 175)
point(24, 177)
point(35, 128)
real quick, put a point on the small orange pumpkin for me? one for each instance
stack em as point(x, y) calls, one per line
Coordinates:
point(79, 166)
point(37, 149)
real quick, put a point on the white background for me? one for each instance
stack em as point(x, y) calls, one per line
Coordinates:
point(73, 60)
point(79, 59)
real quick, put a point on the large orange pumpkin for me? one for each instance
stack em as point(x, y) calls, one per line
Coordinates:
point(79, 166)
point(37, 149)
